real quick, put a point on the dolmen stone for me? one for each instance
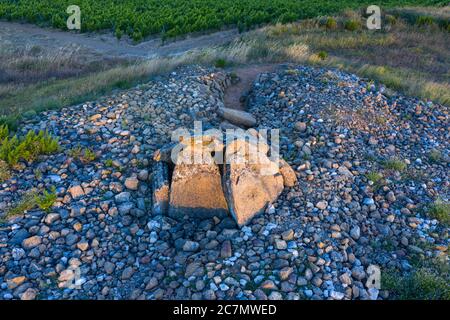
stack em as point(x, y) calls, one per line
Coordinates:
point(251, 180)
point(237, 117)
point(196, 188)
point(160, 196)
point(213, 180)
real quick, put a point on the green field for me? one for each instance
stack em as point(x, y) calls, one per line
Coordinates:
point(171, 18)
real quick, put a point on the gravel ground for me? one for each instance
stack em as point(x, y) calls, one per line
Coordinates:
point(101, 241)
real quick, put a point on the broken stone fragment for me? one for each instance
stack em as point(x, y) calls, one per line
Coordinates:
point(164, 153)
point(237, 117)
point(289, 176)
point(160, 195)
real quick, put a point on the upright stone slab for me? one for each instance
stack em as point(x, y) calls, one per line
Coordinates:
point(196, 189)
point(160, 186)
point(249, 187)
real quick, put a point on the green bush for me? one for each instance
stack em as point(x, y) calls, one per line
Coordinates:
point(220, 63)
point(85, 155)
point(420, 284)
point(33, 199)
point(435, 156)
point(322, 55)
point(390, 19)
point(5, 173)
point(28, 148)
point(331, 23)
point(376, 178)
point(352, 25)
point(424, 21)
point(46, 200)
point(394, 164)
point(440, 210)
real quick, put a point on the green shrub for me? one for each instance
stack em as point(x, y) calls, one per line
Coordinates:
point(220, 63)
point(33, 199)
point(352, 25)
point(376, 178)
point(5, 174)
point(331, 23)
point(9, 121)
point(440, 210)
point(46, 200)
point(28, 148)
point(420, 284)
point(424, 21)
point(390, 19)
point(109, 162)
point(118, 33)
point(84, 155)
point(435, 156)
point(4, 132)
point(322, 55)
point(394, 164)
point(27, 202)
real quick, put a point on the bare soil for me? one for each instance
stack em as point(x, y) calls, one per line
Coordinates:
point(107, 44)
point(247, 76)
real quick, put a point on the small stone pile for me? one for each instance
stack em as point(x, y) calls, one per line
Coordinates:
point(198, 189)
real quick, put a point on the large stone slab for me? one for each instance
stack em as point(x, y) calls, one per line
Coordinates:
point(196, 191)
point(249, 186)
point(160, 187)
point(196, 188)
point(237, 117)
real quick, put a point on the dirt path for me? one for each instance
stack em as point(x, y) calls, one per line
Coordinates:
point(106, 44)
point(247, 76)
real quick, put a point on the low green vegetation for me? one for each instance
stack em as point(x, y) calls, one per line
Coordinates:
point(322, 55)
point(5, 173)
point(33, 199)
point(376, 178)
point(27, 202)
point(352, 25)
point(394, 164)
point(435, 156)
point(28, 148)
point(331, 23)
point(440, 210)
point(109, 162)
point(46, 200)
point(221, 63)
point(427, 282)
point(85, 155)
